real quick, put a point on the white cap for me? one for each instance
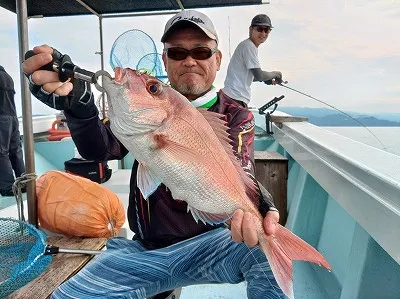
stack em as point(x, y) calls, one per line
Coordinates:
point(197, 18)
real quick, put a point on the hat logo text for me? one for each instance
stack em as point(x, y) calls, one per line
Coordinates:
point(192, 19)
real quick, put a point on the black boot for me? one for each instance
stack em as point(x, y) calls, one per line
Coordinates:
point(6, 192)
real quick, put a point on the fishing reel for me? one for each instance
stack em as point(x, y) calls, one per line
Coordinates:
point(66, 69)
point(261, 110)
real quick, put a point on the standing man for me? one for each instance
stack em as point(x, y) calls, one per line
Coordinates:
point(10, 145)
point(244, 66)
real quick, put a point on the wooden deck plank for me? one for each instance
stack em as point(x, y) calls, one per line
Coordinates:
point(270, 156)
point(62, 267)
point(271, 170)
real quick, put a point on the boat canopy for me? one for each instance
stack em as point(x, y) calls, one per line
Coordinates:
point(56, 8)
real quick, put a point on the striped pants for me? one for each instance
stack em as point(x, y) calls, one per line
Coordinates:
point(127, 270)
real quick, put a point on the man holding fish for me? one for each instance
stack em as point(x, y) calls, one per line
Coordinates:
point(184, 161)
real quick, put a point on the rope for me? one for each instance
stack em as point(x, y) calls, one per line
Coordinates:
point(17, 187)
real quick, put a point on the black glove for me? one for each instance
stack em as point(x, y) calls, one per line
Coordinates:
point(81, 94)
point(269, 82)
point(276, 76)
point(78, 100)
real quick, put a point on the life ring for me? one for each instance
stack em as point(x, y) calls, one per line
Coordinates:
point(56, 134)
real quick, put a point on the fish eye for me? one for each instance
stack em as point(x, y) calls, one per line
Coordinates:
point(154, 87)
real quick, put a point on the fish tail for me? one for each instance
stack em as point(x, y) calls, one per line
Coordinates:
point(281, 249)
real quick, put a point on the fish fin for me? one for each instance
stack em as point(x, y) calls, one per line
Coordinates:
point(177, 150)
point(220, 128)
point(280, 263)
point(284, 247)
point(298, 249)
point(208, 217)
point(146, 181)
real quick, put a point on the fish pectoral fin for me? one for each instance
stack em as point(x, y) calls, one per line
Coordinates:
point(183, 153)
point(209, 218)
point(146, 181)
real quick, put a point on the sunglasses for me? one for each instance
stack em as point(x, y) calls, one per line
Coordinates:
point(261, 29)
point(199, 53)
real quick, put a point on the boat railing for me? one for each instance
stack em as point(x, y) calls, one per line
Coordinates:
point(40, 123)
point(364, 180)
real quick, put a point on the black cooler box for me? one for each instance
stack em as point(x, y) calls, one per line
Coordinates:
point(96, 171)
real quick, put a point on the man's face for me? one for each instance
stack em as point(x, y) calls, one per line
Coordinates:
point(191, 77)
point(259, 34)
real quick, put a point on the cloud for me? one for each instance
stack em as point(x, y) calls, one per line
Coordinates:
point(393, 88)
point(360, 29)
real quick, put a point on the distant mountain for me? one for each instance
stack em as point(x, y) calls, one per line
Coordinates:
point(340, 120)
point(388, 116)
point(329, 117)
point(305, 111)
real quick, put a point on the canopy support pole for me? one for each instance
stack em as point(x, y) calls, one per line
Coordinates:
point(103, 94)
point(23, 43)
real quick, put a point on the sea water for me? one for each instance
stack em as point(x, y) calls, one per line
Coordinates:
point(387, 138)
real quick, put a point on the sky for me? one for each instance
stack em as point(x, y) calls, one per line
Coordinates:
point(344, 52)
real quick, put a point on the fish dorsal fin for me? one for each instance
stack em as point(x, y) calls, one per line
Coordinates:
point(218, 124)
point(208, 217)
point(146, 181)
point(213, 117)
point(220, 129)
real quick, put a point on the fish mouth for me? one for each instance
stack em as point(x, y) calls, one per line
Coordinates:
point(114, 89)
point(111, 88)
point(119, 73)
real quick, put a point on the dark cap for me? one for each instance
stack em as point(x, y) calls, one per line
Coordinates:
point(261, 20)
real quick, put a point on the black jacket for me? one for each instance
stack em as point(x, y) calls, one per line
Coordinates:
point(7, 92)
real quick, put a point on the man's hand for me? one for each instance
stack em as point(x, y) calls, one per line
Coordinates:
point(276, 78)
point(243, 228)
point(46, 86)
point(47, 79)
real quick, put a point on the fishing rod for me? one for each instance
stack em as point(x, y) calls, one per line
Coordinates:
point(333, 107)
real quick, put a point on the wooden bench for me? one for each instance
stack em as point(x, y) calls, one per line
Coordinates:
point(271, 170)
point(62, 267)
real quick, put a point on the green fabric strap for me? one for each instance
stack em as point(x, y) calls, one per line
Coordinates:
point(206, 100)
point(210, 103)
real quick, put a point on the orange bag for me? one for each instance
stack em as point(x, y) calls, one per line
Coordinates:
point(76, 206)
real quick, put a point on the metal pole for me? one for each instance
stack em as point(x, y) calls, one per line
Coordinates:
point(103, 100)
point(103, 94)
point(180, 4)
point(88, 7)
point(140, 14)
point(22, 22)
